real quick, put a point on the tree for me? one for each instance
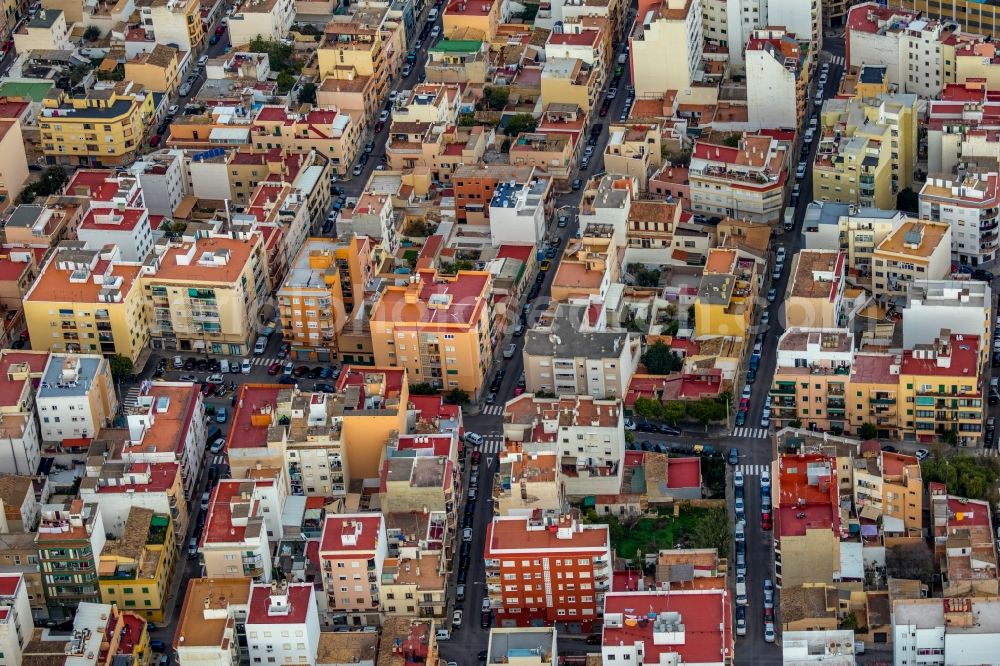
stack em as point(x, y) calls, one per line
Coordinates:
point(795, 423)
point(733, 141)
point(691, 316)
point(645, 277)
point(674, 411)
point(520, 123)
point(659, 359)
point(280, 56)
point(712, 531)
point(307, 93)
point(949, 437)
point(964, 475)
point(91, 34)
point(285, 81)
point(51, 182)
point(850, 621)
point(457, 396)
point(907, 201)
point(423, 388)
point(121, 367)
point(496, 98)
point(706, 410)
point(648, 408)
point(867, 431)
point(910, 560)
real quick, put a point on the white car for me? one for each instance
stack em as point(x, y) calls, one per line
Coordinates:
point(738, 479)
point(202, 61)
point(216, 379)
point(384, 116)
point(245, 366)
point(467, 534)
point(217, 446)
point(769, 632)
point(456, 620)
point(765, 478)
point(780, 254)
point(746, 392)
point(800, 170)
point(612, 93)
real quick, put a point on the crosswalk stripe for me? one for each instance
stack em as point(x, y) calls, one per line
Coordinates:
point(751, 470)
point(493, 410)
point(751, 433)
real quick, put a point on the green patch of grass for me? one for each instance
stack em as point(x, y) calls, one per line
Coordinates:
point(692, 528)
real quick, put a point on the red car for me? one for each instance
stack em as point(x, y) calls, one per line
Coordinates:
point(378, 126)
point(765, 520)
point(274, 368)
point(220, 31)
point(155, 141)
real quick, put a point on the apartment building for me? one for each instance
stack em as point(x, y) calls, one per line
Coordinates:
point(159, 70)
point(532, 646)
point(832, 226)
point(173, 22)
point(96, 303)
point(942, 381)
point(242, 518)
point(917, 250)
point(350, 45)
point(964, 306)
point(607, 203)
point(569, 357)
point(330, 132)
point(970, 203)
point(651, 229)
point(808, 524)
point(324, 290)
point(867, 149)
point(888, 488)
point(474, 185)
point(283, 623)
point(579, 43)
point(256, 19)
point(76, 397)
point(588, 268)
point(42, 227)
point(105, 128)
point(683, 626)
point(18, 372)
point(570, 81)
point(211, 627)
point(550, 553)
point(458, 61)
point(47, 31)
point(964, 545)
point(316, 459)
point(353, 551)
point(726, 295)
point(553, 152)
point(16, 622)
point(874, 389)
point(14, 166)
point(166, 424)
point(671, 24)
point(472, 20)
point(129, 229)
point(415, 587)
point(437, 318)
point(963, 629)
point(812, 378)
point(19, 511)
point(815, 296)
point(526, 483)
point(519, 212)
point(280, 207)
point(98, 630)
point(634, 150)
point(777, 79)
point(161, 180)
point(136, 569)
point(747, 182)
point(205, 294)
point(70, 541)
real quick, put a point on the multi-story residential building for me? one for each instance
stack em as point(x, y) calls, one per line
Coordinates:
point(569, 356)
point(874, 389)
point(439, 328)
point(16, 622)
point(726, 295)
point(812, 378)
point(161, 179)
point(569, 81)
point(670, 24)
point(917, 250)
point(651, 229)
point(45, 32)
point(283, 623)
point(526, 483)
point(963, 306)
point(334, 134)
point(942, 381)
point(777, 79)
point(808, 524)
point(44, 227)
point(960, 630)
point(242, 518)
point(607, 202)
point(135, 570)
point(211, 628)
point(964, 545)
point(532, 646)
point(472, 20)
point(747, 181)
point(323, 291)
point(588, 268)
point(173, 22)
point(70, 541)
point(832, 226)
point(270, 20)
point(821, 646)
point(415, 587)
point(119, 487)
point(18, 372)
point(166, 424)
point(316, 460)
point(205, 294)
point(87, 301)
point(458, 61)
point(474, 185)
point(373, 216)
point(101, 634)
point(281, 207)
point(19, 511)
point(888, 488)
point(867, 149)
point(107, 127)
point(352, 48)
point(815, 296)
point(518, 547)
point(633, 150)
point(129, 229)
point(905, 41)
point(14, 166)
point(970, 203)
point(352, 552)
point(519, 212)
point(681, 626)
point(76, 397)
point(159, 70)
point(553, 152)
point(578, 43)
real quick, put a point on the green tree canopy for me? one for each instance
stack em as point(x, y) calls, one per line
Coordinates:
point(648, 408)
point(659, 359)
point(121, 367)
point(520, 122)
point(423, 388)
point(964, 475)
point(307, 93)
point(867, 431)
point(495, 97)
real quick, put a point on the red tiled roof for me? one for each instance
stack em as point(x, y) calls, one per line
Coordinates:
point(683, 473)
point(337, 527)
point(299, 602)
point(964, 360)
point(9, 583)
point(244, 433)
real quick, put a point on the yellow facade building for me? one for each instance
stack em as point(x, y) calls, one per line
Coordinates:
point(324, 289)
point(336, 135)
point(206, 294)
point(438, 328)
point(350, 47)
point(106, 127)
point(158, 70)
point(85, 302)
point(916, 250)
point(725, 302)
point(570, 81)
point(462, 19)
point(135, 570)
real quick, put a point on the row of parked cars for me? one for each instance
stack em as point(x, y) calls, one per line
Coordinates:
point(741, 554)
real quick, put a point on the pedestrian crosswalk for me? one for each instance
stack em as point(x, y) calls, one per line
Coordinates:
point(747, 432)
point(264, 360)
point(220, 459)
point(752, 470)
point(837, 60)
point(493, 410)
point(492, 445)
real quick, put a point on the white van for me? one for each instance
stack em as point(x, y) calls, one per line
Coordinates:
point(245, 367)
point(260, 345)
point(224, 366)
point(432, 14)
point(442, 634)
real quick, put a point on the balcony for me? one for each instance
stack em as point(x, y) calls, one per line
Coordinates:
point(783, 389)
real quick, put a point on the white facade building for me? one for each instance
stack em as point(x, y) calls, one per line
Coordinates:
point(963, 307)
point(76, 397)
point(118, 488)
point(517, 212)
point(283, 623)
point(161, 176)
point(610, 204)
point(271, 19)
point(804, 19)
point(801, 347)
point(955, 631)
point(774, 66)
point(742, 16)
point(16, 623)
point(830, 647)
point(128, 228)
point(970, 203)
point(672, 30)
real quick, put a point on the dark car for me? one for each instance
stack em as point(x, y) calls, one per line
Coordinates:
point(300, 371)
point(594, 639)
point(202, 364)
point(889, 448)
point(214, 365)
point(741, 417)
point(734, 456)
point(221, 30)
point(314, 373)
point(325, 388)
point(604, 109)
point(213, 40)
point(577, 184)
point(207, 389)
point(190, 363)
point(274, 368)
point(379, 126)
point(155, 140)
point(284, 380)
point(161, 129)
point(984, 275)
point(325, 372)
